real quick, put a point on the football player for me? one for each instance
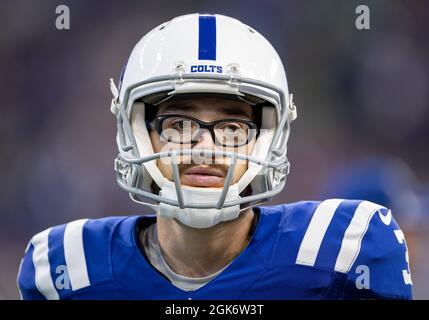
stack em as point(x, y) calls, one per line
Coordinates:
point(203, 116)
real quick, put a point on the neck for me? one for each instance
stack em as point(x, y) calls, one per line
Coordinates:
point(198, 253)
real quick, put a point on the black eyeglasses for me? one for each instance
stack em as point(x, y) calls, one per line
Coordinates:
point(177, 128)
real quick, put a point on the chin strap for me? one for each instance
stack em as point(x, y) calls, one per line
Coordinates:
point(198, 218)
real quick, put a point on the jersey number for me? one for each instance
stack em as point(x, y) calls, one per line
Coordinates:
point(405, 273)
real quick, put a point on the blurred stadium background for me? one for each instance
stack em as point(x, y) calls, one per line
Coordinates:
point(362, 97)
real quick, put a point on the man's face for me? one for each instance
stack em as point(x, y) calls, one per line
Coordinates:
point(208, 171)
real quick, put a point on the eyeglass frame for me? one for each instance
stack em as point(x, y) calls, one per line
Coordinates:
point(159, 120)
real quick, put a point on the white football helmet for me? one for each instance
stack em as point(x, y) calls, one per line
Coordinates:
point(202, 53)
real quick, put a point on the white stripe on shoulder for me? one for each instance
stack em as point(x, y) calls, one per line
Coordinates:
point(43, 277)
point(316, 230)
point(17, 280)
point(350, 247)
point(20, 269)
point(75, 255)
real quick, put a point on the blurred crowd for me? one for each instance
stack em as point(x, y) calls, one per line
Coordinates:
point(363, 109)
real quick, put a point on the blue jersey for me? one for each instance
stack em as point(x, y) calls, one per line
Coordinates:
point(335, 249)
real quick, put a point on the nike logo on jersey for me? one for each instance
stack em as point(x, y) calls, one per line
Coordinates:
point(386, 218)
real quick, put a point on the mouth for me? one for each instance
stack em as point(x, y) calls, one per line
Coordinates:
point(203, 176)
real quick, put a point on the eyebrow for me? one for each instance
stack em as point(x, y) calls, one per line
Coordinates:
point(229, 110)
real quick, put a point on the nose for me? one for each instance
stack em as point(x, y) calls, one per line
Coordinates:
point(205, 141)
